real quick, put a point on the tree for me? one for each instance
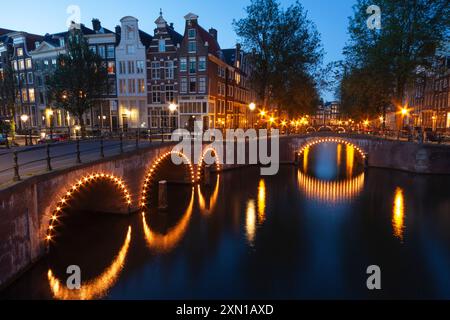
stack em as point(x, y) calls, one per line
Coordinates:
point(8, 94)
point(380, 64)
point(285, 52)
point(80, 77)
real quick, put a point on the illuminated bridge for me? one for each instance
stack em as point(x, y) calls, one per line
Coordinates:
point(32, 210)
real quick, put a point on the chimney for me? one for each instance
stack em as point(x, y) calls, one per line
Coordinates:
point(171, 25)
point(118, 30)
point(96, 25)
point(213, 33)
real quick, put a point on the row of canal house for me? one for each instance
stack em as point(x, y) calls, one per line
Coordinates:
point(146, 74)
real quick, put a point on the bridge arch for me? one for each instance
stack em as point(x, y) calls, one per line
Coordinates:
point(154, 169)
point(318, 140)
point(78, 185)
point(310, 130)
point(202, 162)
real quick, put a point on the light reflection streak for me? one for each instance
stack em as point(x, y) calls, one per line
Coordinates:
point(398, 214)
point(250, 225)
point(96, 288)
point(330, 191)
point(305, 159)
point(339, 155)
point(212, 200)
point(350, 160)
point(166, 242)
point(261, 201)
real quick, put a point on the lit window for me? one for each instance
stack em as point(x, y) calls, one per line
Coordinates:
point(141, 86)
point(31, 95)
point(29, 64)
point(21, 65)
point(111, 67)
point(19, 52)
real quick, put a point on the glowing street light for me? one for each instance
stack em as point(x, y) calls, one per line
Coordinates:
point(263, 113)
point(404, 111)
point(24, 117)
point(173, 107)
point(252, 106)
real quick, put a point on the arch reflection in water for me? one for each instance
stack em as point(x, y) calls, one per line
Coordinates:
point(398, 214)
point(205, 208)
point(96, 288)
point(166, 242)
point(332, 192)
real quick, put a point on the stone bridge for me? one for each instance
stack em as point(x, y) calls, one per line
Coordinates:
point(29, 210)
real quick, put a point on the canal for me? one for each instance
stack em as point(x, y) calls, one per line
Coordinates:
point(309, 232)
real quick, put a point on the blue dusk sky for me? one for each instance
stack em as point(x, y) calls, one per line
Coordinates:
point(50, 16)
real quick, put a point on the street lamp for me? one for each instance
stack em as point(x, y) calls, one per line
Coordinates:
point(172, 109)
point(24, 119)
point(252, 108)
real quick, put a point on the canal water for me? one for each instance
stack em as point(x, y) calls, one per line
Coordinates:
point(309, 232)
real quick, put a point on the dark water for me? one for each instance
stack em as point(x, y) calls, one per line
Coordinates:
point(306, 233)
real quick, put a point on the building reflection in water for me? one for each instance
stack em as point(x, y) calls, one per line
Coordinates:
point(166, 242)
point(333, 192)
point(208, 207)
point(398, 214)
point(96, 288)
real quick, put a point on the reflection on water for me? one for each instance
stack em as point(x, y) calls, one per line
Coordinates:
point(166, 242)
point(96, 288)
point(219, 242)
point(398, 214)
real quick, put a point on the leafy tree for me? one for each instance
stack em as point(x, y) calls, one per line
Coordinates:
point(8, 94)
point(80, 77)
point(380, 64)
point(285, 51)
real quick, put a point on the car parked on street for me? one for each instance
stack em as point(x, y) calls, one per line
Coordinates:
point(53, 138)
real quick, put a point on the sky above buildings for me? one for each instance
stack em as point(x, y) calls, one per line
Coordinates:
point(50, 16)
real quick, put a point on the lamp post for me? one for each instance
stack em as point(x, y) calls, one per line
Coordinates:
point(24, 119)
point(172, 109)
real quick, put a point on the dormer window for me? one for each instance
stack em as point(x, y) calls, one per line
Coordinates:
point(192, 33)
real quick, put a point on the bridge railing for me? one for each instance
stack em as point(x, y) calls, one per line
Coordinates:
point(45, 157)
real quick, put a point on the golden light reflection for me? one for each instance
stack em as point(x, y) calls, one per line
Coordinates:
point(261, 201)
point(166, 242)
point(250, 225)
point(305, 159)
point(334, 192)
point(202, 161)
point(339, 154)
point(398, 214)
point(96, 288)
point(207, 210)
point(350, 160)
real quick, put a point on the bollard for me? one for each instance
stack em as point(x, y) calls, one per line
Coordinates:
point(121, 143)
point(102, 151)
point(78, 151)
point(207, 175)
point(162, 196)
point(16, 167)
point(49, 165)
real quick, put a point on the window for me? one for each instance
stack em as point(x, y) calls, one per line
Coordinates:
point(202, 64)
point(162, 45)
point(169, 70)
point(193, 85)
point(54, 62)
point(31, 95)
point(192, 65)
point(230, 91)
point(183, 88)
point(130, 49)
point(15, 65)
point(154, 117)
point(202, 85)
point(170, 93)
point(122, 86)
point(112, 86)
point(130, 33)
point(156, 72)
point(192, 47)
point(19, 52)
point(29, 64)
point(141, 86)
point(122, 67)
point(131, 86)
point(30, 77)
point(130, 67)
point(93, 49)
point(192, 33)
point(21, 65)
point(111, 67)
point(24, 95)
point(102, 51)
point(183, 65)
point(110, 52)
point(156, 94)
point(140, 66)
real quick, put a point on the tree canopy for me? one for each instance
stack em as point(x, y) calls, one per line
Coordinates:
point(286, 53)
